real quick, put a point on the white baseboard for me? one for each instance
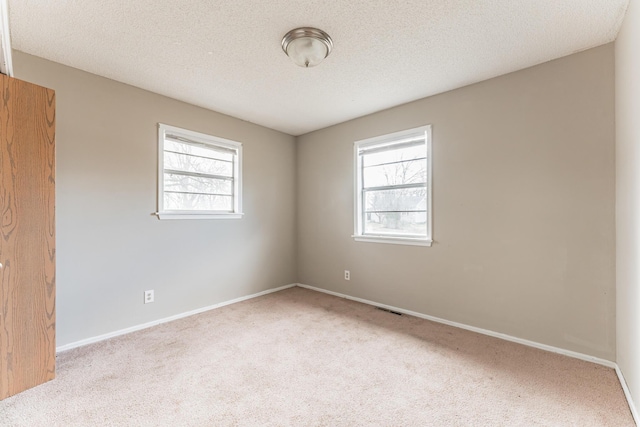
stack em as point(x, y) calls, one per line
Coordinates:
point(505, 337)
point(627, 393)
point(165, 320)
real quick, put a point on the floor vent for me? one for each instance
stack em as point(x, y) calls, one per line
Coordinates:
point(389, 311)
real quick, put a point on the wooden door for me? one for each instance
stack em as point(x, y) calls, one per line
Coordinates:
point(27, 236)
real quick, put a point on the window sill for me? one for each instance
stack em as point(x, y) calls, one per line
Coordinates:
point(394, 240)
point(194, 215)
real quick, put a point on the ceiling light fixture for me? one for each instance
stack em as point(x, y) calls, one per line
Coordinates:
point(307, 46)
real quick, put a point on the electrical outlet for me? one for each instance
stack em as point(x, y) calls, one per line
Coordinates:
point(347, 275)
point(148, 296)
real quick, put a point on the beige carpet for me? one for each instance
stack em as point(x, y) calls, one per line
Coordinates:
point(302, 358)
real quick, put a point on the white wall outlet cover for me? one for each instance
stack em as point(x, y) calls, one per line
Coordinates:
point(148, 296)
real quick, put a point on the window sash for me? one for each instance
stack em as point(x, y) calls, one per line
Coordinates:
point(198, 174)
point(207, 145)
point(395, 187)
point(393, 145)
point(399, 233)
point(413, 231)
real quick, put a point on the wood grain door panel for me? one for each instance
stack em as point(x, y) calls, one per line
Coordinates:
point(27, 236)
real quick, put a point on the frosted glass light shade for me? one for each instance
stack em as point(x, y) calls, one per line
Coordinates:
point(307, 51)
point(307, 47)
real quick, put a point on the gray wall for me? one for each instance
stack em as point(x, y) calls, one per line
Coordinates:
point(523, 193)
point(628, 199)
point(109, 246)
point(523, 208)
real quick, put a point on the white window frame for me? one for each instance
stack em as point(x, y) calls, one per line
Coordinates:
point(208, 140)
point(390, 139)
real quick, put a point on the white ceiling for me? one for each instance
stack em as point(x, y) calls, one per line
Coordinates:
point(226, 55)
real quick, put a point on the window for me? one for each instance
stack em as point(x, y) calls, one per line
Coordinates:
point(393, 188)
point(199, 176)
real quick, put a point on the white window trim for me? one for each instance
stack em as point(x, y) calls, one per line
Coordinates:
point(357, 219)
point(207, 140)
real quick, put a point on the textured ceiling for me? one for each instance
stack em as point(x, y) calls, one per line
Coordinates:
point(226, 55)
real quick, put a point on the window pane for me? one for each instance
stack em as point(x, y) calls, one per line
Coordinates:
point(197, 150)
point(402, 199)
point(394, 186)
point(404, 223)
point(191, 163)
point(197, 202)
point(194, 184)
point(406, 172)
point(407, 153)
point(198, 173)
